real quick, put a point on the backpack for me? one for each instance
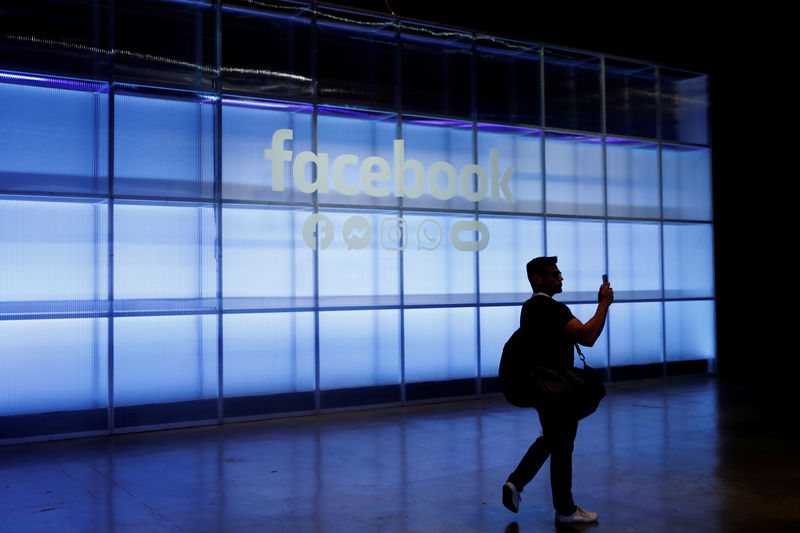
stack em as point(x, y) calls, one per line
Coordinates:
point(515, 369)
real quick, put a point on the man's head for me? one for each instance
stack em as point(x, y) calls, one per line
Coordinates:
point(544, 275)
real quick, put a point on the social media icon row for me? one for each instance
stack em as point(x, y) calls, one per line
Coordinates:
point(357, 232)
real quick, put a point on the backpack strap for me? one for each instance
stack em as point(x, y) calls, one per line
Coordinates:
point(583, 359)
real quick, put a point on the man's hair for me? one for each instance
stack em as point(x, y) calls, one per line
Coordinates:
point(539, 266)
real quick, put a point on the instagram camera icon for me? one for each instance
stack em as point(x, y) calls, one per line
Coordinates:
point(393, 234)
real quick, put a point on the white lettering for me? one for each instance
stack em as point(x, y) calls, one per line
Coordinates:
point(441, 167)
point(336, 174)
point(400, 167)
point(320, 161)
point(375, 174)
point(278, 156)
point(483, 183)
point(501, 184)
point(382, 175)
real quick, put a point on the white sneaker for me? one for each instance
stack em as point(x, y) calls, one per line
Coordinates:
point(511, 497)
point(579, 516)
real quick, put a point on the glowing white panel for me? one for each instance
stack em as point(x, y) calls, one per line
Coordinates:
point(443, 150)
point(634, 259)
point(440, 344)
point(267, 353)
point(690, 330)
point(632, 174)
point(359, 348)
point(433, 269)
point(53, 365)
point(53, 139)
point(357, 267)
point(688, 260)
point(687, 182)
point(522, 152)
point(248, 128)
point(636, 331)
point(53, 250)
point(164, 251)
point(580, 248)
point(497, 325)
point(514, 241)
point(574, 175)
point(371, 141)
point(597, 355)
point(163, 146)
point(264, 254)
point(165, 359)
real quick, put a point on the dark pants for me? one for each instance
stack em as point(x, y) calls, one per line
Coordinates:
point(557, 441)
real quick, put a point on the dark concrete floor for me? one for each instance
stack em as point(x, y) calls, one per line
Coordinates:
point(687, 455)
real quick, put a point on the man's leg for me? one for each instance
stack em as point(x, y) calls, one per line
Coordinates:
point(531, 462)
point(559, 429)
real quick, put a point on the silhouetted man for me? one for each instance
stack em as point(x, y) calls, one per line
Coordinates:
point(553, 330)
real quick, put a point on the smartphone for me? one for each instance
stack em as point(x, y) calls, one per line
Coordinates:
point(605, 278)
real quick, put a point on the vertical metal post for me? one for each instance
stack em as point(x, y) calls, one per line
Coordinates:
point(111, 137)
point(604, 159)
point(218, 210)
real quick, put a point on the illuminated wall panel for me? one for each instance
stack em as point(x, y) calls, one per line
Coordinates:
point(359, 348)
point(193, 230)
point(268, 353)
point(53, 365)
point(440, 344)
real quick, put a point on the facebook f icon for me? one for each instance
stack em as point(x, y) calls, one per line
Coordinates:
point(318, 232)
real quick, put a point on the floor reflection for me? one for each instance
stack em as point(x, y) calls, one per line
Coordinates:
point(657, 456)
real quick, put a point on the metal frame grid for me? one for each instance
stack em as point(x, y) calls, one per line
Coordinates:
point(218, 95)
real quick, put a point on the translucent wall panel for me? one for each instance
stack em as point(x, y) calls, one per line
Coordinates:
point(687, 182)
point(440, 344)
point(53, 365)
point(284, 30)
point(514, 171)
point(637, 332)
point(268, 353)
point(52, 250)
point(630, 98)
point(261, 226)
point(580, 248)
point(53, 136)
point(359, 348)
point(179, 49)
point(163, 251)
point(163, 145)
point(436, 74)
point(361, 266)
point(508, 76)
point(632, 174)
point(688, 261)
point(597, 355)
point(266, 261)
point(514, 242)
point(634, 259)
point(356, 61)
point(497, 325)
point(684, 106)
point(574, 175)
point(257, 153)
point(164, 359)
point(434, 270)
point(360, 157)
point(442, 150)
point(572, 90)
point(73, 44)
point(690, 330)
